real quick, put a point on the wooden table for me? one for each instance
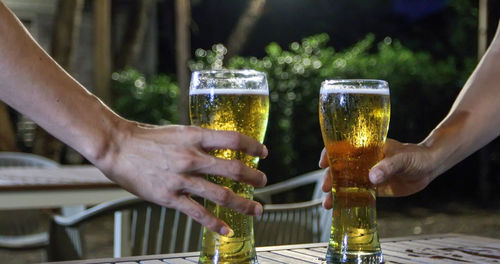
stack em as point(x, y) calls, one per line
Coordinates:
point(70, 188)
point(28, 187)
point(443, 248)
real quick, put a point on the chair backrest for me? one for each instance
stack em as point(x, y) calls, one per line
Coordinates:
point(156, 230)
point(314, 177)
point(153, 229)
point(23, 228)
point(292, 223)
point(19, 159)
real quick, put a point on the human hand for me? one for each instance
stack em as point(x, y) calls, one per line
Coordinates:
point(166, 164)
point(405, 169)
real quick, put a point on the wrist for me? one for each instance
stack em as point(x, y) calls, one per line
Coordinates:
point(438, 151)
point(110, 132)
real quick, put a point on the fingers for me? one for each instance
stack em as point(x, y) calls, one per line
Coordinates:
point(236, 170)
point(386, 168)
point(223, 196)
point(201, 215)
point(328, 200)
point(327, 181)
point(216, 139)
point(327, 188)
point(323, 160)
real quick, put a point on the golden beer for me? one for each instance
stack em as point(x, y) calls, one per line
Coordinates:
point(245, 111)
point(354, 118)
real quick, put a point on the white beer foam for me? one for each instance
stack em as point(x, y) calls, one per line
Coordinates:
point(328, 90)
point(228, 91)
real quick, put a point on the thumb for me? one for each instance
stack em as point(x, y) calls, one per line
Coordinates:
point(386, 168)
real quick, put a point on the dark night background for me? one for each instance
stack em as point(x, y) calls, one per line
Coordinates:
point(442, 28)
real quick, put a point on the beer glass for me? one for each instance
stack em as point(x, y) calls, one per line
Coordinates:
point(354, 118)
point(236, 100)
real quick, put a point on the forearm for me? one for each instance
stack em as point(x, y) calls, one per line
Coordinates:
point(474, 119)
point(32, 83)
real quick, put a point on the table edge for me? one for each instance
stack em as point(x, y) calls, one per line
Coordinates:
point(260, 249)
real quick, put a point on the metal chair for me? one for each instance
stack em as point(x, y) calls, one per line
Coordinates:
point(314, 177)
point(152, 229)
point(22, 228)
point(293, 223)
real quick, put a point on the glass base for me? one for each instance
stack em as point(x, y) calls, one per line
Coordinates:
point(214, 260)
point(354, 257)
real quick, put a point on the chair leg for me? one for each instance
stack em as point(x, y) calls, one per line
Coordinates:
point(121, 241)
point(65, 243)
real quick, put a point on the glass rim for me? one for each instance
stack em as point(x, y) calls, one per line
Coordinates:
point(241, 73)
point(368, 86)
point(383, 83)
point(240, 81)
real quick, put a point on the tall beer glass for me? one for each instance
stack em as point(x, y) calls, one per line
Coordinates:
point(236, 101)
point(354, 118)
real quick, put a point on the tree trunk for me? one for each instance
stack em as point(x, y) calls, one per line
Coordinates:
point(67, 32)
point(7, 135)
point(102, 50)
point(482, 29)
point(244, 27)
point(183, 51)
point(131, 46)
point(484, 188)
point(64, 44)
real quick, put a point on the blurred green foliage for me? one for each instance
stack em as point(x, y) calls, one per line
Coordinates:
point(152, 101)
point(422, 90)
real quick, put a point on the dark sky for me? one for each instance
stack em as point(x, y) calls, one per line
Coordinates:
point(419, 24)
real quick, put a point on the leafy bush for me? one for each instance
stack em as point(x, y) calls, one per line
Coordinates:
point(421, 92)
point(153, 102)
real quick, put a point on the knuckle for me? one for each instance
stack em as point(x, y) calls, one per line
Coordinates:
point(212, 224)
point(237, 168)
point(249, 208)
point(389, 165)
point(197, 214)
point(408, 161)
point(167, 199)
point(193, 133)
point(187, 161)
point(192, 130)
point(174, 184)
point(184, 182)
point(223, 196)
point(234, 138)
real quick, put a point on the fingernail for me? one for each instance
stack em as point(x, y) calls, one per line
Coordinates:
point(321, 166)
point(264, 180)
point(376, 175)
point(265, 152)
point(226, 231)
point(321, 158)
point(258, 210)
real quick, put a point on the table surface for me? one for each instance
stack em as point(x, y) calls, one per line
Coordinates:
point(29, 187)
point(30, 178)
point(441, 248)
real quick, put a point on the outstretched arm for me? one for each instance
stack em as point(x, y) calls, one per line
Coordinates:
point(159, 164)
point(472, 122)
